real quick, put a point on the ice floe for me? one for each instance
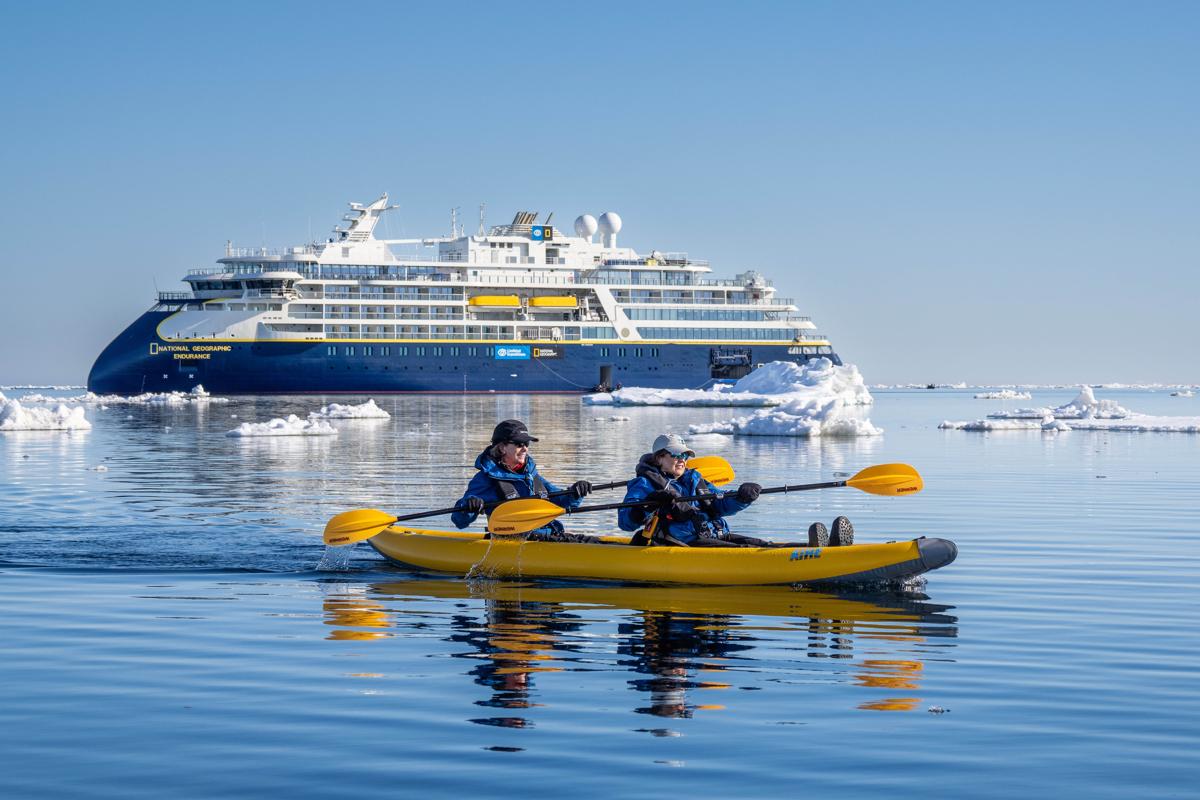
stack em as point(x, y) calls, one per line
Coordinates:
point(772, 384)
point(817, 398)
point(1084, 406)
point(367, 410)
point(15, 417)
point(1084, 413)
point(1183, 393)
point(1004, 394)
point(198, 395)
point(292, 426)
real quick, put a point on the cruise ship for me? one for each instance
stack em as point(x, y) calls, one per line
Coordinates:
point(521, 307)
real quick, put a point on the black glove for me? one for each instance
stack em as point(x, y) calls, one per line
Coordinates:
point(473, 505)
point(581, 489)
point(748, 492)
point(662, 499)
point(681, 511)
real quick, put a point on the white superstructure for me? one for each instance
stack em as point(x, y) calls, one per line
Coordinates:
point(520, 282)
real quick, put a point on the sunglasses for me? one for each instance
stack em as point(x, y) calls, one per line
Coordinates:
point(519, 444)
point(683, 456)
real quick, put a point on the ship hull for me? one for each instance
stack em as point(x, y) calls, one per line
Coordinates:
point(138, 360)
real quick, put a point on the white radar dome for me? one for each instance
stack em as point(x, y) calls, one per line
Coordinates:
point(586, 226)
point(610, 222)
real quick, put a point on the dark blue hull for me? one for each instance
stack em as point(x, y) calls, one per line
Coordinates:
point(139, 361)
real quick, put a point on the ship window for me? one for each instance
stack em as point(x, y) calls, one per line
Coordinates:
point(349, 350)
point(331, 350)
point(825, 350)
point(403, 350)
point(367, 350)
point(453, 351)
point(420, 351)
point(487, 351)
point(437, 351)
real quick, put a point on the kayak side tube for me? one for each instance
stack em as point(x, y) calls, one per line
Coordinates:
point(463, 553)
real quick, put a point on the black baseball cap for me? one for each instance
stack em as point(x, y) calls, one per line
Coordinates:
point(512, 430)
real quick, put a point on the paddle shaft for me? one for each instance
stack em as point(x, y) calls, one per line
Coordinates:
point(490, 506)
point(711, 496)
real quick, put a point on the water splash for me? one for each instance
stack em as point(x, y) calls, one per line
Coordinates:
point(336, 559)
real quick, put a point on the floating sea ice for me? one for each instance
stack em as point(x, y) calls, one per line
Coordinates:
point(799, 416)
point(1136, 423)
point(367, 410)
point(292, 426)
point(15, 417)
point(1183, 393)
point(100, 468)
point(1084, 406)
point(770, 385)
point(197, 396)
point(717, 396)
point(1004, 394)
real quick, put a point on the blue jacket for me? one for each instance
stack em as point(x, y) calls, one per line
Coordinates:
point(688, 484)
point(484, 485)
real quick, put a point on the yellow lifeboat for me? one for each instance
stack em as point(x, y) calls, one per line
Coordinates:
point(554, 301)
point(496, 300)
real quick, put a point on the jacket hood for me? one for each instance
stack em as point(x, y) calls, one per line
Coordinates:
point(646, 468)
point(485, 463)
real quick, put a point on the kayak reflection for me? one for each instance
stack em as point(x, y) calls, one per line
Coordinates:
point(685, 648)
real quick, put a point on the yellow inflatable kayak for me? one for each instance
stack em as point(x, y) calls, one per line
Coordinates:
point(465, 553)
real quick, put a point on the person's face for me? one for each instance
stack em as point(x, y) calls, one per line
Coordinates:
point(513, 455)
point(671, 464)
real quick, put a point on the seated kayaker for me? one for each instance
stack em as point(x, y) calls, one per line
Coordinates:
point(663, 477)
point(507, 472)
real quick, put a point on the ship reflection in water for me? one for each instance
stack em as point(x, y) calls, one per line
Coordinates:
point(686, 650)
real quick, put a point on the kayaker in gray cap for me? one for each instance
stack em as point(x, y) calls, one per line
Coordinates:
point(507, 472)
point(663, 477)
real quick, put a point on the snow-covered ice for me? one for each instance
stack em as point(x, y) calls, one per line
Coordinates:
point(1084, 413)
point(367, 410)
point(15, 417)
point(292, 426)
point(813, 399)
point(1004, 394)
point(197, 396)
point(1084, 406)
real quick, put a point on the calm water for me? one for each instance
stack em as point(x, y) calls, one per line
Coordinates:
point(166, 628)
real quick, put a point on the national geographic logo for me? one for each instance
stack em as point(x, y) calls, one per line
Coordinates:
point(189, 352)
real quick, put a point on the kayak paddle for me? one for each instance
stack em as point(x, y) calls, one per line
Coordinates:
point(363, 523)
point(521, 516)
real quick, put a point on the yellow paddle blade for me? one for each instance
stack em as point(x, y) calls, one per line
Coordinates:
point(713, 469)
point(356, 526)
point(520, 516)
point(888, 479)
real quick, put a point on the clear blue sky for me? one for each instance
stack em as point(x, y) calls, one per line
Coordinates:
point(954, 191)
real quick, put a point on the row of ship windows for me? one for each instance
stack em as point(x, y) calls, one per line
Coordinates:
point(694, 314)
point(620, 352)
point(402, 350)
point(487, 352)
point(736, 334)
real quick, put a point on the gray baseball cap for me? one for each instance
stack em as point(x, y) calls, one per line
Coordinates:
point(673, 444)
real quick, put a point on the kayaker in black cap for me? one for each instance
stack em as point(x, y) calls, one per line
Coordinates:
point(508, 472)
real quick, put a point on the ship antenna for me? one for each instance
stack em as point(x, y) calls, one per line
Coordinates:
point(482, 206)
